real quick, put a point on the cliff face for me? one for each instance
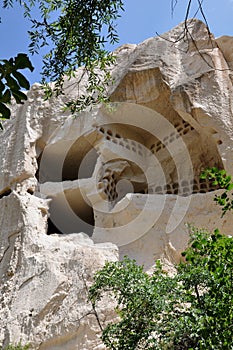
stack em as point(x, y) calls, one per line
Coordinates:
point(120, 180)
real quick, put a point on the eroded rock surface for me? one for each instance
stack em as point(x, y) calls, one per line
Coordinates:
point(122, 179)
point(44, 280)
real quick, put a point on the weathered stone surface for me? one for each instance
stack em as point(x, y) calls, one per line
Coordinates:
point(44, 280)
point(122, 179)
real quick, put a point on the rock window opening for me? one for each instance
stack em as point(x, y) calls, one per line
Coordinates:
point(70, 213)
point(79, 163)
point(51, 228)
point(68, 161)
point(59, 167)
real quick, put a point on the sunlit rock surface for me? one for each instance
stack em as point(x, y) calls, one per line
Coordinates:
point(123, 179)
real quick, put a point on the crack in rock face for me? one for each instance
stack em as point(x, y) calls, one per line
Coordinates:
point(123, 179)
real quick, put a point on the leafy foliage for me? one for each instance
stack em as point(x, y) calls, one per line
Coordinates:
point(11, 82)
point(207, 277)
point(18, 346)
point(223, 180)
point(76, 31)
point(138, 301)
point(191, 310)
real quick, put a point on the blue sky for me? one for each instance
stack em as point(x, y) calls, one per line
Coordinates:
point(141, 19)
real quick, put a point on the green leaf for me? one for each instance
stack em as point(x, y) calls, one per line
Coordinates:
point(12, 83)
point(23, 82)
point(4, 111)
point(203, 175)
point(2, 86)
point(229, 187)
point(6, 98)
point(22, 61)
point(19, 96)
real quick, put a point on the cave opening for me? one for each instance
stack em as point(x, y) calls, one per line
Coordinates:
point(70, 212)
point(64, 161)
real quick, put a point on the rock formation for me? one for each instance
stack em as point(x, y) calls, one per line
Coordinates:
point(121, 179)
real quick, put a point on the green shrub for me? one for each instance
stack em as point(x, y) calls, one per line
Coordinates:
point(191, 310)
point(221, 179)
point(17, 346)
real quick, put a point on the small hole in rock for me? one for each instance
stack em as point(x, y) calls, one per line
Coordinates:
point(7, 192)
point(52, 229)
point(185, 131)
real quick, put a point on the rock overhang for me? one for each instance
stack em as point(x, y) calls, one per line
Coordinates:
point(127, 173)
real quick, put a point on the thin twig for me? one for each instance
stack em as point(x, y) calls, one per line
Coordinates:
point(93, 306)
point(185, 34)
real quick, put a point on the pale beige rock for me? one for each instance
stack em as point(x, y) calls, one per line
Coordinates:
point(44, 280)
point(123, 178)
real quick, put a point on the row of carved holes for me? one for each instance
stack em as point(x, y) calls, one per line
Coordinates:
point(108, 183)
point(185, 187)
point(117, 139)
point(182, 129)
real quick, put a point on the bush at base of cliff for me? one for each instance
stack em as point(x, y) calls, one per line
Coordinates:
point(18, 346)
point(191, 310)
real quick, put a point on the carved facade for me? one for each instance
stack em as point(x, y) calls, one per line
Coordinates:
point(123, 178)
